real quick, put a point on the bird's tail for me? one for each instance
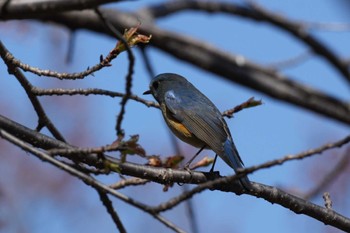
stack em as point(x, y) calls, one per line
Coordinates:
point(233, 159)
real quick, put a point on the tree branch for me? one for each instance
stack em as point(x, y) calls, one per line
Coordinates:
point(128, 78)
point(257, 13)
point(25, 9)
point(88, 180)
point(330, 176)
point(43, 119)
point(166, 176)
point(109, 207)
point(90, 91)
point(229, 66)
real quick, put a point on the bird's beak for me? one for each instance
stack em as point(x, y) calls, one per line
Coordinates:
point(147, 92)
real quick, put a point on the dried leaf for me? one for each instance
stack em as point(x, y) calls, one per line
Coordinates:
point(131, 147)
point(154, 161)
point(173, 161)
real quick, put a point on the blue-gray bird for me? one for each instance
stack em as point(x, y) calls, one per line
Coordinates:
point(194, 119)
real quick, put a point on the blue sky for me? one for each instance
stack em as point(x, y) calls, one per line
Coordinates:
point(263, 133)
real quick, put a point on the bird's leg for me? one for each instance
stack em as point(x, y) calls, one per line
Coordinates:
point(212, 167)
point(187, 165)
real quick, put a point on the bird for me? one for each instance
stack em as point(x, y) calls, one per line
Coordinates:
point(194, 119)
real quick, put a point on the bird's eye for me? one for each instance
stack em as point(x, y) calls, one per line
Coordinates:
point(155, 85)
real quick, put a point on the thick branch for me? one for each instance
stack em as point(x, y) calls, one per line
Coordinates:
point(24, 9)
point(255, 12)
point(164, 176)
point(231, 67)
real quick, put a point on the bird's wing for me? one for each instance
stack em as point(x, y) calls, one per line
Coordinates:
point(201, 117)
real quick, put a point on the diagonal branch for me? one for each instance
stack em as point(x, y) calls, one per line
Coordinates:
point(271, 194)
point(128, 80)
point(299, 156)
point(109, 206)
point(234, 68)
point(329, 177)
point(257, 13)
point(101, 188)
point(166, 176)
point(44, 120)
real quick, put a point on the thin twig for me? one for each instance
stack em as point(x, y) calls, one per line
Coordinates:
point(109, 207)
point(251, 102)
point(73, 151)
point(44, 120)
point(330, 176)
point(90, 91)
point(302, 155)
point(147, 61)
point(54, 74)
point(169, 224)
point(293, 61)
point(128, 83)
